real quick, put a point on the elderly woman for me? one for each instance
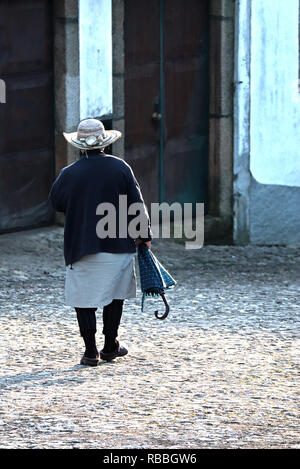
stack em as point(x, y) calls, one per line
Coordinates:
point(100, 271)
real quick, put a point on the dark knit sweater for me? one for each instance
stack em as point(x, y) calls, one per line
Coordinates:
point(79, 189)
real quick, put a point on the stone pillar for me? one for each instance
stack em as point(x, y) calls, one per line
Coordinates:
point(221, 108)
point(66, 67)
point(118, 118)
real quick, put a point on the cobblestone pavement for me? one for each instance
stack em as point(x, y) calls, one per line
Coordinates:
point(221, 371)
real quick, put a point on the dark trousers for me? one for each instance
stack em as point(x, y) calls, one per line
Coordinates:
point(111, 319)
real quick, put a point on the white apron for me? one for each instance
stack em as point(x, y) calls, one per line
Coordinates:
point(97, 279)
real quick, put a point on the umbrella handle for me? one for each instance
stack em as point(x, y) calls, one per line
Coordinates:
point(167, 308)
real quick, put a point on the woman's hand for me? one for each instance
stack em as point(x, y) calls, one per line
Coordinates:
point(139, 241)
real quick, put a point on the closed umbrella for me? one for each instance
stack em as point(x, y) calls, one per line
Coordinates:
point(155, 279)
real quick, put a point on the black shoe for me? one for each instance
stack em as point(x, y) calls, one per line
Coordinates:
point(109, 356)
point(89, 361)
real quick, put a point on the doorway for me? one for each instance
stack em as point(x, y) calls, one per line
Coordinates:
point(27, 117)
point(166, 98)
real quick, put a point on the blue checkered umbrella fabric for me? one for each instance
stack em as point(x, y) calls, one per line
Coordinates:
point(155, 279)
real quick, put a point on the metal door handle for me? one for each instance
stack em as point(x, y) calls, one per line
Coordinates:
point(156, 116)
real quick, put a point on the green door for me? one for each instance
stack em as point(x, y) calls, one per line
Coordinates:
point(166, 98)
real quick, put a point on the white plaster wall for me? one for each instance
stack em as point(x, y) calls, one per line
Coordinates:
point(95, 37)
point(275, 101)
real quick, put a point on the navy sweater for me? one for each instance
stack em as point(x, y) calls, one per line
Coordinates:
point(78, 190)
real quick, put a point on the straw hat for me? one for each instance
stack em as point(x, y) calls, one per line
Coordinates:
point(92, 135)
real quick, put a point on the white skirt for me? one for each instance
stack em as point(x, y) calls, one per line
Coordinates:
point(97, 279)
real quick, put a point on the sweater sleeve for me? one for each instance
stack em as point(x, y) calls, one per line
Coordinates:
point(57, 195)
point(134, 195)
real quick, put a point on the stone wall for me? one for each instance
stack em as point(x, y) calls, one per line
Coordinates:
point(219, 222)
point(66, 60)
point(118, 120)
point(266, 200)
point(221, 106)
point(67, 92)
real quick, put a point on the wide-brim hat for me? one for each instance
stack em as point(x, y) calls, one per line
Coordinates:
point(91, 135)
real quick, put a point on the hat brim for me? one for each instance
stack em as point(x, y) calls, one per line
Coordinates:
point(111, 137)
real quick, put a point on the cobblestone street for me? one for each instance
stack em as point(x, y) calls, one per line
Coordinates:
point(222, 371)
